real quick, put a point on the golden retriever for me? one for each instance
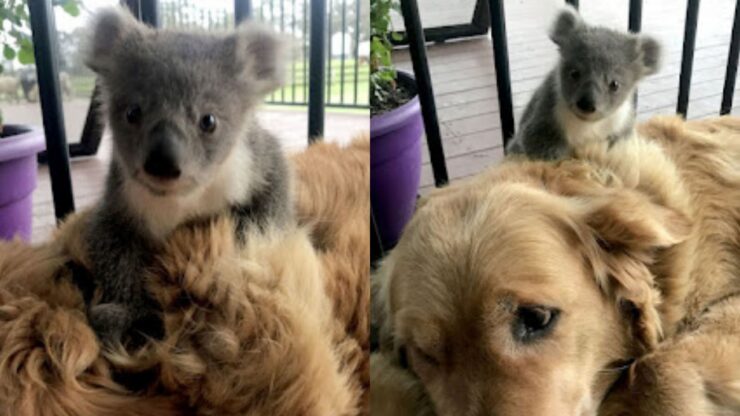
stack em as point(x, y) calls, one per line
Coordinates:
point(275, 327)
point(531, 288)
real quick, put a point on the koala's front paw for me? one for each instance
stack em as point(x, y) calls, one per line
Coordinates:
point(117, 323)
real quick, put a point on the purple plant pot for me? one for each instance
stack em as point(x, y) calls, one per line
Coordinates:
point(18, 168)
point(395, 160)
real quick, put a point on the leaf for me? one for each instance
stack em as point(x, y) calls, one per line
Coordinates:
point(20, 11)
point(8, 52)
point(25, 55)
point(382, 73)
point(71, 7)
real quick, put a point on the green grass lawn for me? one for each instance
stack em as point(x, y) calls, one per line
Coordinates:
point(296, 91)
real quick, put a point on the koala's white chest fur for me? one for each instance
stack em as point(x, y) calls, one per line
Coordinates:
point(232, 184)
point(580, 133)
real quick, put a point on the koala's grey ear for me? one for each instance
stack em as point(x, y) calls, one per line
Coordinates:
point(260, 56)
point(567, 22)
point(111, 27)
point(649, 51)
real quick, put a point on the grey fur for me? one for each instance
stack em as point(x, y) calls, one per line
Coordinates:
point(591, 57)
point(175, 78)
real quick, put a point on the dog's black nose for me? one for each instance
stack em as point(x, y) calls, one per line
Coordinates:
point(586, 104)
point(162, 161)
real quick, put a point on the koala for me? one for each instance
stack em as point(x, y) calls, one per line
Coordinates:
point(587, 97)
point(186, 147)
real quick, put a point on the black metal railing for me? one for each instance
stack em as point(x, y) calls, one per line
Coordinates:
point(478, 25)
point(46, 53)
point(415, 36)
point(417, 49)
point(687, 57)
point(346, 79)
point(47, 70)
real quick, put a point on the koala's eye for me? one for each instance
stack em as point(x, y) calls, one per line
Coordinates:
point(534, 322)
point(133, 114)
point(614, 86)
point(207, 123)
point(574, 74)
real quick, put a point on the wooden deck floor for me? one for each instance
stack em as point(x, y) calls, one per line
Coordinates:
point(464, 79)
point(88, 174)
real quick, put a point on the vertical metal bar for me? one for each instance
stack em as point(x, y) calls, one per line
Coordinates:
point(573, 3)
point(45, 51)
point(272, 20)
point(728, 91)
point(305, 51)
point(357, 48)
point(150, 12)
point(501, 62)
point(92, 131)
point(417, 48)
point(330, 55)
point(133, 6)
point(634, 26)
point(341, 67)
point(317, 71)
point(687, 58)
point(282, 30)
point(242, 10)
point(635, 16)
point(292, 61)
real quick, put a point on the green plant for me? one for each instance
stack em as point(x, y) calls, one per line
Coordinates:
point(382, 72)
point(15, 30)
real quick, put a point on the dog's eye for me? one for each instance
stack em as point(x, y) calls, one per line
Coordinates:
point(133, 114)
point(534, 322)
point(426, 357)
point(574, 74)
point(420, 359)
point(614, 86)
point(207, 123)
point(403, 357)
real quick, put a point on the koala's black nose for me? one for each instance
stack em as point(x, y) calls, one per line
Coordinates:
point(586, 104)
point(161, 162)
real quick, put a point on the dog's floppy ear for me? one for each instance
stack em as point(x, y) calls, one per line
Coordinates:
point(260, 56)
point(623, 230)
point(111, 28)
point(649, 54)
point(565, 24)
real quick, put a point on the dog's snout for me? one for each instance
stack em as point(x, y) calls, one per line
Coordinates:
point(162, 161)
point(586, 104)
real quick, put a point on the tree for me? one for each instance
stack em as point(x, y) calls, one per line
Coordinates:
point(15, 28)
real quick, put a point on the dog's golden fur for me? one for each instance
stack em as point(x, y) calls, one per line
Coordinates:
point(638, 247)
point(277, 327)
